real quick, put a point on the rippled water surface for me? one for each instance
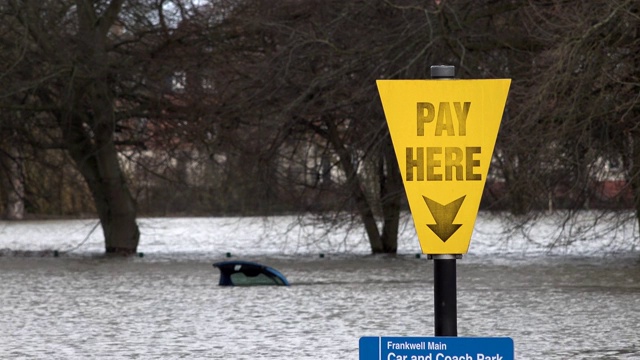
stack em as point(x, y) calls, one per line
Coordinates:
point(170, 307)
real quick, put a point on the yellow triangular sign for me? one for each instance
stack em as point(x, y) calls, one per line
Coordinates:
point(443, 133)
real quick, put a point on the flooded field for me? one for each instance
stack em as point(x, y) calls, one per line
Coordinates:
point(169, 306)
point(559, 294)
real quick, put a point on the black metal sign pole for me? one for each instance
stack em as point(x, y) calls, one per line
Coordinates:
point(444, 295)
point(444, 266)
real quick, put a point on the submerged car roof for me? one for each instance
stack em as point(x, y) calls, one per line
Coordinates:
point(250, 270)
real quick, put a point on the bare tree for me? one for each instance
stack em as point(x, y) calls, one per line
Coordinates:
point(101, 80)
point(585, 99)
point(315, 79)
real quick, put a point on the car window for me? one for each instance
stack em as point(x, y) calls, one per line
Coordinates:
point(240, 279)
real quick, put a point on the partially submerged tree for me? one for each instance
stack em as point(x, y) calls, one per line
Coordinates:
point(315, 78)
point(315, 63)
point(65, 76)
point(96, 78)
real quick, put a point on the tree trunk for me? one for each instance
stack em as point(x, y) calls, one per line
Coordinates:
point(391, 190)
point(89, 130)
point(88, 125)
point(115, 206)
point(12, 183)
point(365, 210)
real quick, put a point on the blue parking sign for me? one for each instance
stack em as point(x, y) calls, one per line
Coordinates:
point(436, 348)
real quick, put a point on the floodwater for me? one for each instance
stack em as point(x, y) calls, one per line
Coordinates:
point(170, 307)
